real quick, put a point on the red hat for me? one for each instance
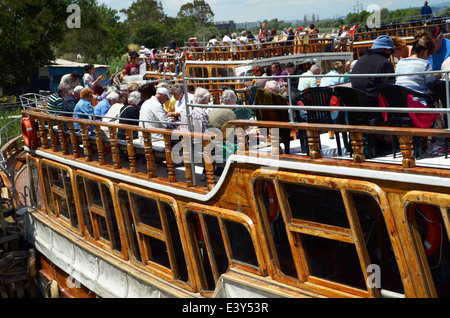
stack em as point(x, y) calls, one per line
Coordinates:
point(300, 29)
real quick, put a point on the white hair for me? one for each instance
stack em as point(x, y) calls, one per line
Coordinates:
point(112, 96)
point(229, 97)
point(134, 98)
point(315, 68)
point(201, 96)
point(273, 86)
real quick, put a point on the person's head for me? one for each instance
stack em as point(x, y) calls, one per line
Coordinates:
point(229, 97)
point(345, 28)
point(63, 90)
point(112, 98)
point(315, 69)
point(437, 36)
point(384, 43)
point(202, 96)
point(312, 26)
point(132, 87)
point(98, 90)
point(134, 58)
point(147, 91)
point(162, 94)
point(273, 31)
point(273, 86)
point(264, 25)
point(87, 94)
point(77, 91)
point(338, 67)
point(290, 68)
point(290, 30)
point(276, 68)
point(74, 76)
point(423, 45)
point(257, 71)
point(134, 98)
point(177, 91)
point(90, 68)
point(399, 46)
point(244, 33)
point(425, 3)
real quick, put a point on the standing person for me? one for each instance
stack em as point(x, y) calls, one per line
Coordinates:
point(261, 31)
point(72, 80)
point(132, 68)
point(374, 61)
point(55, 101)
point(89, 80)
point(173, 45)
point(426, 11)
point(442, 48)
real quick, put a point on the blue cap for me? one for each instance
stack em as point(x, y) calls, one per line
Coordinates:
point(383, 42)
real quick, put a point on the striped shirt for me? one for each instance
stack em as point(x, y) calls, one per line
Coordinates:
point(55, 102)
point(416, 82)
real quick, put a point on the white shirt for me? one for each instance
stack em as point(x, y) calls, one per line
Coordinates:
point(227, 39)
point(153, 110)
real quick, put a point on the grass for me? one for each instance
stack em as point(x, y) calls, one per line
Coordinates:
point(7, 116)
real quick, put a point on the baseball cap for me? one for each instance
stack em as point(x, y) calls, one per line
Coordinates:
point(78, 89)
point(300, 29)
point(383, 42)
point(163, 91)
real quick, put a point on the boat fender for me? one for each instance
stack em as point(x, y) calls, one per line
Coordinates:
point(274, 209)
point(29, 135)
point(433, 228)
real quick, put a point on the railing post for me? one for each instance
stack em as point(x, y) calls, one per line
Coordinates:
point(313, 142)
point(358, 147)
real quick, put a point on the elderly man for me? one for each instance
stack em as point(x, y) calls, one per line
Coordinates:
point(442, 46)
point(72, 80)
point(103, 107)
point(306, 81)
point(177, 91)
point(273, 86)
point(292, 70)
point(55, 101)
point(277, 71)
point(71, 100)
point(152, 114)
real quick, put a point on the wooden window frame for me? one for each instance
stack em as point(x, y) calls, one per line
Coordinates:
point(61, 194)
point(163, 235)
point(221, 215)
point(34, 195)
point(96, 211)
point(294, 227)
point(430, 198)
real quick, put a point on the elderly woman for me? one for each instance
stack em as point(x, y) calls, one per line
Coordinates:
point(219, 116)
point(199, 115)
point(84, 109)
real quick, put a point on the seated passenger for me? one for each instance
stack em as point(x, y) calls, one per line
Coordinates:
point(103, 107)
point(55, 101)
point(306, 81)
point(338, 68)
point(84, 108)
point(71, 100)
point(423, 47)
point(200, 115)
point(129, 114)
point(152, 113)
point(219, 116)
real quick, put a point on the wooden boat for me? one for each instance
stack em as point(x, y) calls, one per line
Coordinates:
point(122, 218)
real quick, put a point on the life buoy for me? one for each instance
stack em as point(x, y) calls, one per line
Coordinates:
point(273, 209)
point(433, 235)
point(29, 135)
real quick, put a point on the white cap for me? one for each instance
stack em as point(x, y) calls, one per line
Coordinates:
point(163, 91)
point(78, 89)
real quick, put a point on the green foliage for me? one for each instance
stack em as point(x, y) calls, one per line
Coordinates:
point(198, 10)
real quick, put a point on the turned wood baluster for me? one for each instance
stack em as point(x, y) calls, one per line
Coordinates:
point(100, 145)
point(53, 138)
point(169, 161)
point(358, 147)
point(43, 134)
point(149, 155)
point(407, 150)
point(131, 151)
point(241, 135)
point(86, 142)
point(187, 160)
point(62, 138)
point(314, 144)
point(74, 141)
point(209, 165)
point(275, 140)
point(115, 150)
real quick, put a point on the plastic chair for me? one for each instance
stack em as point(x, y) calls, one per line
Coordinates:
point(352, 97)
point(438, 87)
point(321, 96)
point(396, 96)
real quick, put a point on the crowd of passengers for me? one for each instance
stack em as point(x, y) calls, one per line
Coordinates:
point(162, 106)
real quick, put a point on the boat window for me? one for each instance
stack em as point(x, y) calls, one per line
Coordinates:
point(98, 213)
point(59, 194)
point(338, 232)
point(36, 190)
point(219, 240)
point(428, 217)
point(154, 235)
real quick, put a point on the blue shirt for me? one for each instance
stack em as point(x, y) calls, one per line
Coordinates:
point(102, 108)
point(440, 56)
point(83, 107)
point(330, 81)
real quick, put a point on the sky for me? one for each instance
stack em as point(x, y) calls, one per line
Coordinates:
point(259, 10)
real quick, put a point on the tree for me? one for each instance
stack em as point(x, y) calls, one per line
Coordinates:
point(198, 10)
point(144, 10)
point(28, 30)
